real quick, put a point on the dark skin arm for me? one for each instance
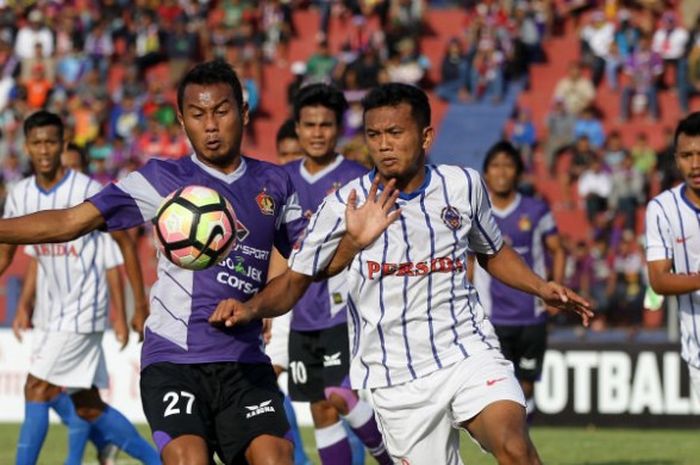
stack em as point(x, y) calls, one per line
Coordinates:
point(133, 273)
point(116, 293)
point(25, 306)
point(664, 282)
point(51, 225)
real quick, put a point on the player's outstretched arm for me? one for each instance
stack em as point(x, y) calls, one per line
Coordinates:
point(7, 253)
point(364, 224)
point(133, 273)
point(507, 266)
point(664, 282)
point(51, 225)
point(116, 293)
point(276, 298)
point(25, 304)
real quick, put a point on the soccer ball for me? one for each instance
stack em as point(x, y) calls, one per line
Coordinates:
point(195, 227)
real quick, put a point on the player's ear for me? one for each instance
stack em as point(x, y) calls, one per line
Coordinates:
point(245, 114)
point(428, 137)
point(180, 120)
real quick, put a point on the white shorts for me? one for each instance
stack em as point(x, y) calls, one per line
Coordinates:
point(694, 379)
point(278, 348)
point(69, 360)
point(420, 419)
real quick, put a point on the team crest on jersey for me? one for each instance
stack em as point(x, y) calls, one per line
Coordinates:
point(524, 223)
point(266, 203)
point(451, 217)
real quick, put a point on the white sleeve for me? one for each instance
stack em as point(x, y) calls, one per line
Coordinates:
point(658, 233)
point(29, 251)
point(111, 254)
point(320, 240)
point(484, 235)
point(11, 207)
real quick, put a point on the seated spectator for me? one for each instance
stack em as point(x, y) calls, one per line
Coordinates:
point(590, 126)
point(614, 152)
point(124, 118)
point(319, 67)
point(582, 155)
point(575, 90)
point(644, 157)
point(367, 66)
point(627, 34)
point(597, 38)
point(406, 17)
point(642, 69)
point(626, 282)
point(601, 280)
point(38, 88)
point(595, 187)
point(487, 78)
point(627, 191)
point(689, 73)
point(408, 65)
point(669, 41)
point(560, 133)
point(32, 33)
point(524, 136)
point(454, 78)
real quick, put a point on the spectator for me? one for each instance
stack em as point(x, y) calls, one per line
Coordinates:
point(597, 38)
point(689, 72)
point(288, 148)
point(595, 187)
point(575, 90)
point(582, 155)
point(590, 126)
point(454, 82)
point(367, 66)
point(524, 136)
point(627, 35)
point(319, 67)
point(626, 282)
point(31, 34)
point(644, 157)
point(487, 78)
point(124, 118)
point(627, 191)
point(38, 88)
point(670, 41)
point(614, 152)
point(181, 48)
point(407, 65)
point(560, 133)
point(99, 47)
point(643, 68)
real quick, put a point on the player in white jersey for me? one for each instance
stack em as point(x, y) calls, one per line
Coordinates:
point(673, 242)
point(73, 308)
point(420, 341)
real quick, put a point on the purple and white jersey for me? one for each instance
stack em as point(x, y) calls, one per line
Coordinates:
point(673, 233)
point(74, 289)
point(181, 300)
point(525, 224)
point(411, 310)
point(324, 303)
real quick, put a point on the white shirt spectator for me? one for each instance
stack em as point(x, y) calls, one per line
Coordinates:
point(599, 38)
point(670, 44)
point(28, 36)
point(595, 182)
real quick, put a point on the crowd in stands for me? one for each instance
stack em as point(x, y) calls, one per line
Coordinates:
point(110, 68)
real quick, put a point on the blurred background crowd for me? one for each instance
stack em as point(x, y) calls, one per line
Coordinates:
point(600, 86)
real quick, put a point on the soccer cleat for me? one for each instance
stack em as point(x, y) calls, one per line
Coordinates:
point(108, 455)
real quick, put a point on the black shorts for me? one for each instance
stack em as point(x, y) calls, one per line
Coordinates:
point(317, 360)
point(525, 347)
point(228, 404)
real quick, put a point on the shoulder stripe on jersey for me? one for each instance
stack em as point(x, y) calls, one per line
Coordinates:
point(176, 318)
point(455, 242)
point(310, 229)
point(405, 299)
point(382, 308)
point(138, 188)
point(430, 281)
point(661, 235)
point(172, 278)
point(314, 268)
point(687, 263)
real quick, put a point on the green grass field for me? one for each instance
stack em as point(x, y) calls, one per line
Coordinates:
point(557, 446)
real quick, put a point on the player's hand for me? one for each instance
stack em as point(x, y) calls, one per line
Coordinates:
point(267, 330)
point(121, 332)
point(22, 322)
point(231, 312)
point(563, 298)
point(367, 222)
point(138, 320)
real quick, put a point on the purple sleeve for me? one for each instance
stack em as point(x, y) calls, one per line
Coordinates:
point(118, 208)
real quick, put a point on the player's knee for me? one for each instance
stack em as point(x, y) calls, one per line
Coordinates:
point(281, 453)
point(343, 399)
point(324, 413)
point(185, 450)
point(38, 390)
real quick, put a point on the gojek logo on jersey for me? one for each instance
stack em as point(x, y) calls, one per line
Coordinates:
point(238, 267)
point(436, 265)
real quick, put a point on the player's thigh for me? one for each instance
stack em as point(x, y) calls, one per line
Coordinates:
point(39, 390)
point(250, 406)
point(415, 422)
point(305, 370)
point(533, 345)
point(175, 403)
point(335, 343)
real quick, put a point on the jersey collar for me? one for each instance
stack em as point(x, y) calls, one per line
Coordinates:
point(312, 178)
point(502, 213)
point(227, 178)
point(687, 201)
point(55, 187)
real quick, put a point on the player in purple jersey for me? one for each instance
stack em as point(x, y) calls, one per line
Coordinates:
point(204, 389)
point(527, 225)
point(318, 338)
point(414, 297)
point(67, 361)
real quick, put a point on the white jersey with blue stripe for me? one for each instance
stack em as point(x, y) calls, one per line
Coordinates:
point(411, 309)
point(73, 297)
point(673, 233)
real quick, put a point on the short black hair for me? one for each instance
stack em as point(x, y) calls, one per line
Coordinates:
point(211, 72)
point(394, 94)
point(286, 131)
point(509, 150)
point(43, 118)
point(690, 126)
point(73, 147)
point(320, 95)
